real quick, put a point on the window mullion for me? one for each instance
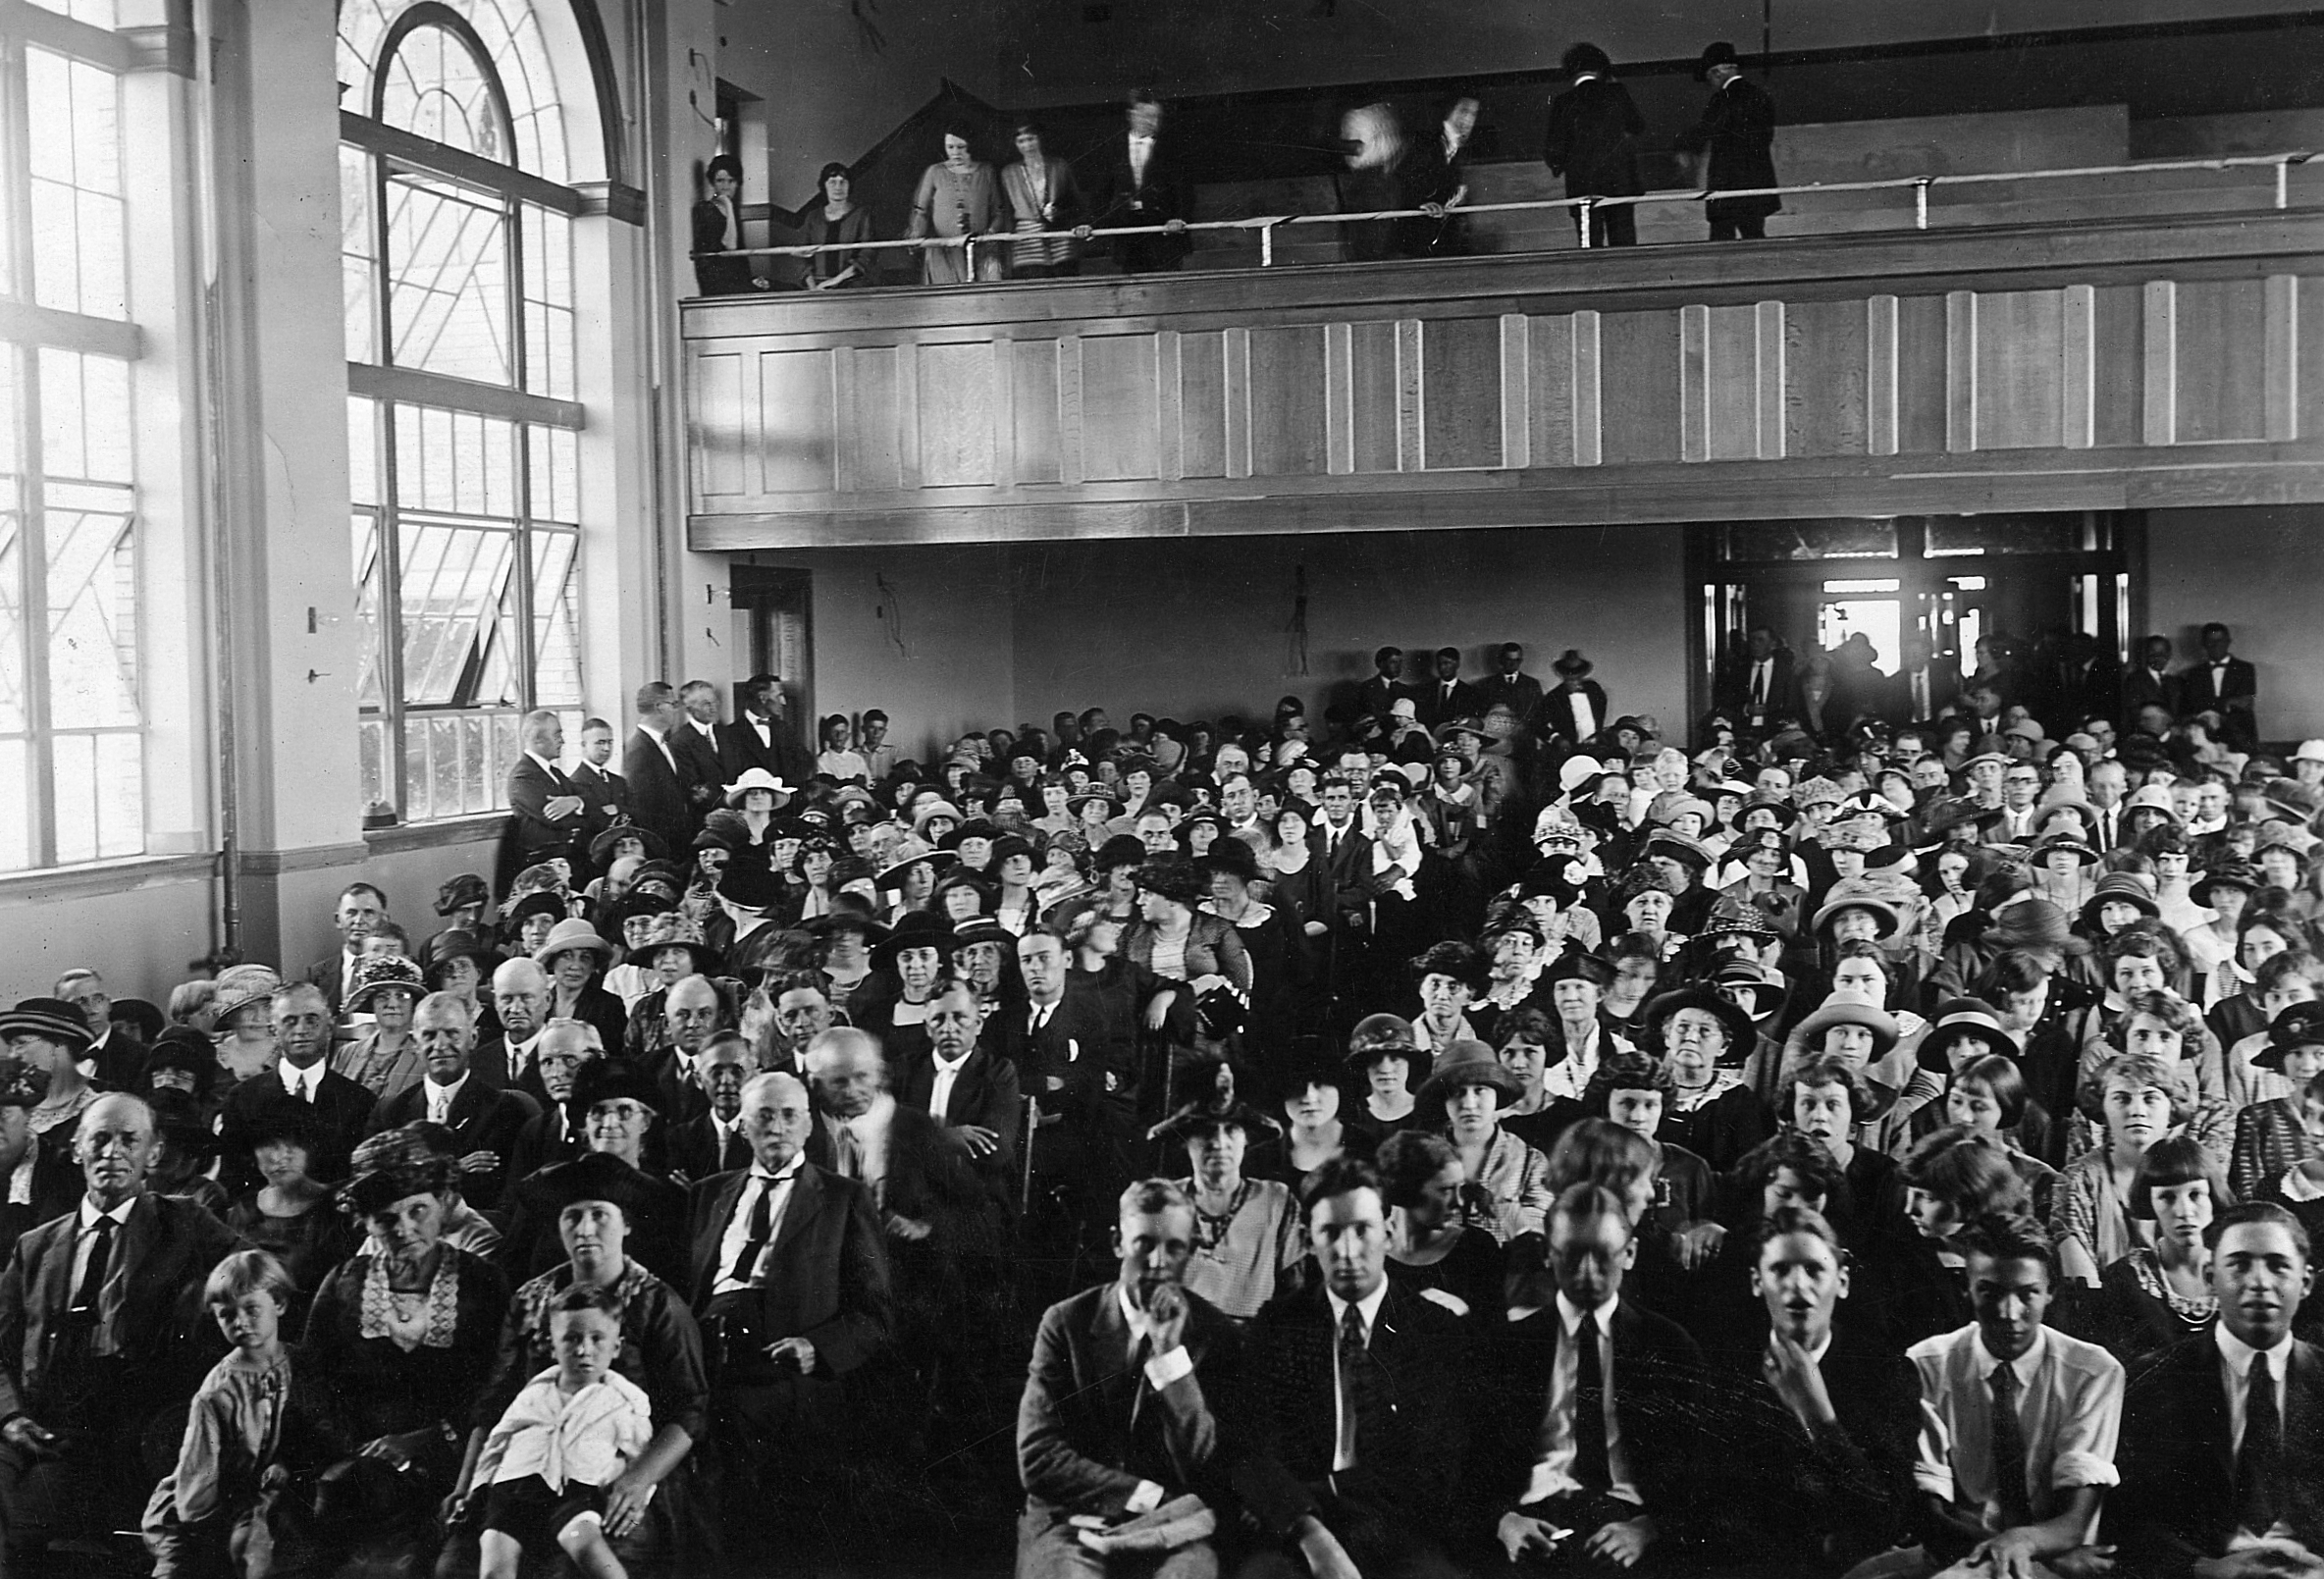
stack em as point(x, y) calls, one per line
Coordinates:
point(16, 166)
point(391, 609)
point(32, 611)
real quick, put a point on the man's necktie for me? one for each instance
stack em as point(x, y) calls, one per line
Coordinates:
point(754, 1238)
point(93, 1280)
point(1360, 1384)
point(1140, 1352)
point(849, 1155)
point(2259, 1468)
point(1759, 688)
point(2009, 1451)
point(1590, 1463)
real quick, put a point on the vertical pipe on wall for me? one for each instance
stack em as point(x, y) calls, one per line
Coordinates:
point(207, 338)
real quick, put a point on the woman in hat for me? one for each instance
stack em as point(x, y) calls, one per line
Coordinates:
point(619, 1106)
point(1382, 1052)
point(2138, 1100)
point(1508, 1194)
point(405, 1335)
point(384, 1058)
point(575, 956)
point(597, 1205)
point(2159, 1293)
point(1248, 1237)
point(245, 1008)
point(1016, 875)
point(1450, 976)
point(2063, 869)
point(961, 896)
point(911, 876)
point(2272, 1136)
point(1704, 1038)
point(531, 918)
point(1862, 1035)
point(2225, 892)
point(1431, 1250)
point(673, 950)
point(287, 1213)
point(908, 965)
point(1200, 956)
point(1279, 964)
point(1766, 884)
point(50, 1036)
point(810, 884)
point(182, 1060)
point(1515, 955)
point(1314, 1130)
point(2120, 901)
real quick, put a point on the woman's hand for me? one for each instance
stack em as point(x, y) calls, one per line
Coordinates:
point(625, 1502)
point(1083, 233)
point(1158, 1012)
point(395, 1452)
point(1433, 210)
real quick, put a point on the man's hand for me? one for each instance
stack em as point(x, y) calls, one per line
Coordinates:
point(28, 1435)
point(560, 806)
point(911, 1230)
point(1622, 1543)
point(1178, 226)
point(979, 1141)
point(2010, 1554)
point(797, 1350)
point(1166, 1317)
point(1316, 930)
point(1520, 1535)
point(481, 1162)
point(1791, 1371)
point(1433, 210)
point(625, 1503)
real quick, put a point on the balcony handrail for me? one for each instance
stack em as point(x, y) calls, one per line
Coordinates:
point(1268, 224)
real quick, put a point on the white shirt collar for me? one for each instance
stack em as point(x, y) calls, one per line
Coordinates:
point(545, 763)
point(951, 1066)
point(447, 1094)
point(1569, 1314)
point(1369, 1305)
point(2025, 1365)
point(2237, 1354)
point(89, 1214)
point(300, 1082)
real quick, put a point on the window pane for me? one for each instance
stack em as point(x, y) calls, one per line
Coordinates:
point(456, 462)
point(372, 744)
point(556, 481)
point(16, 815)
point(78, 248)
point(12, 628)
point(1748, 540)
point(458, 614)
point(556, 629)
point(448, 279)
point(96, 12)
point(358, 245)
point(121, 795)
point(518, 57)
point(92, 607)
point(2004, 534)
point(438, 89)
point(362, 450)
point(548, 302)
point(370, 687)
point(85, 416)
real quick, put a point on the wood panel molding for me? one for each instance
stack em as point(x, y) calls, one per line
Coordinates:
point(1891, 374)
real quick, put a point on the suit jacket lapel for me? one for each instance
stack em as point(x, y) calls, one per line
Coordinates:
point(807, 1194)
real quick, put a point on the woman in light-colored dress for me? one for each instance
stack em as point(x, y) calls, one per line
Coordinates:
point(961, 196)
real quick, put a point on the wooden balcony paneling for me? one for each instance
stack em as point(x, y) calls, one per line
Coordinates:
point(2056, 367)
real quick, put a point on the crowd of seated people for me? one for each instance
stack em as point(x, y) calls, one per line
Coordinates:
point(1459, 1134)
point(1135, 181)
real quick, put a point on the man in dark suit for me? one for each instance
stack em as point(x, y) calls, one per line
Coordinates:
point(696, 740)
point(1447, 695)
point(1593, 143)
point(2223, 1434)
point(971, 1092)
point(604, 793)
point(342, 1108)
point(1138, 186)
point(1732, 146)
point(1378, 694)
point(1575, 710)
point(520, 992)
point(712, 1141)
point(761, 737)
point(485, 1123)
point(1357, 1425)
point(1116, 1419)
point(655, 772)
point(545, 811)
point(2223, 684)
point(103, 1335)
point(790, 1274)
point(2149, 684)
point(1510, 686)
point(1753, 686)
point(1588, 1417)
point(361, 908)
point(692, 1013)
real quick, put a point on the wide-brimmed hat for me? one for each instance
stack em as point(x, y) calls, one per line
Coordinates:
point(1095, 792)
point(184, 1048)
point(594, 1176)
point(546, 902)
point(1577, 769)
point(2300, 1025)
point(1233, 857)
point(2033, 923)
point(1742, 1035)
point(238, 988)
point(1956, 811)
point(2228, 874)
point(1768, 988)
point(910, 853)
point(141, 1016)
point(1572, 665)
point(393, 1165)
point(758, 778)
point(374, 974)
point(1738, 918)
point(1845, 1012)
point(983, 929)
point(459, 943)
point(2083, 853)
point(284, 1116)
point(1786, 814)
point(600, 847)
point(1687, 852)
point(465, 889)
point(1720, 53)
point(2150, 798)
point(1452, 958)
point(913, 930)
point(747, 886)
point(1957, 1018)
point(568, 935)
point(2119, 888)
point(846, 916)
point(674, 929)
point(1576, 964)
point(610, 1080)
point(1209, 1113)
point(1671, 804)
point(1857, 894)
point(1868, 804)
point(931, 808)
point(2290, 799)
point(1466, 724)
point(1465, 1063)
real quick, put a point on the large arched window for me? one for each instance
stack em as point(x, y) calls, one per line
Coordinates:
point(464, 425)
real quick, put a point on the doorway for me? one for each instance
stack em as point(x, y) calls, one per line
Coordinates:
point(1910, 587)
point(777, 608)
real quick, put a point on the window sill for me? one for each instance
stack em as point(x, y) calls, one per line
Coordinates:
point(101, 877)
point(438, 835)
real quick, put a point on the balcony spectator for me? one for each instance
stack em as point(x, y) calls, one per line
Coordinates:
point(1593, 143)
point(717, 228)
point(1732, 147)
point(839, 222)
point(1141, 186)
point(958, 196)
point(1045, 195)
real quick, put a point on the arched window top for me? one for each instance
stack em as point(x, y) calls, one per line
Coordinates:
point(471, 73)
